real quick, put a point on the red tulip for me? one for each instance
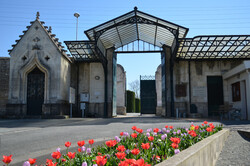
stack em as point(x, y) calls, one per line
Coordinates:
point(67, 144)
point(32, 161)
point(7, 159)
point(135, 151)
point(145, 146)
point(156, 130)
point(121, 148)
point(56, 155)
point(209, 129)
point(166, 126)
point(134, 135)
point(80, 143)
point(174, 145)
point(121, 133)
point(150, 138)
point(71, 155)
point(120, 155)
point(205, 122)
point(63, 160)
point(134, 128)
point(171, 127)
point(175, 140)
point(100, 160)
point(91, 141)
point(139, 130)
point(50, 163)
point(192, 133)
point(111, 143)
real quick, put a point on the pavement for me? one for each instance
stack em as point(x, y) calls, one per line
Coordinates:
point(38, 138)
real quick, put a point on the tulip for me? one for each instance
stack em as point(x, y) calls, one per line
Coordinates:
point(84, 164)
point(26, 163)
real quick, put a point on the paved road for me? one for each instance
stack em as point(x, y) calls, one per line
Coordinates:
point(31, 138)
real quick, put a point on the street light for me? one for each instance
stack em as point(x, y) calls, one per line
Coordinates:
point(76, 15)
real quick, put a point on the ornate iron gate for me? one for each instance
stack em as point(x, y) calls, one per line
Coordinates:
point(148, 94)
point(35, 92)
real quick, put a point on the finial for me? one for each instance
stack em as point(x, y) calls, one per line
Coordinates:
point(50, 29)
point(135, 8)
point(37, 15)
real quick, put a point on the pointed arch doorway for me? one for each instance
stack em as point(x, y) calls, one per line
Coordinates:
point(35, 91)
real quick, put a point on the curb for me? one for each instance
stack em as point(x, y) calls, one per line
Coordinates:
point(205, 152)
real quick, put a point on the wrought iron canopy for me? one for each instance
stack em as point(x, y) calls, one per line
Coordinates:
point(136, 25)
point(214, 47)
point(85, 51)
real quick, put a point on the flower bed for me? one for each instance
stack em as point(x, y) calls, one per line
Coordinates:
point(140, 148)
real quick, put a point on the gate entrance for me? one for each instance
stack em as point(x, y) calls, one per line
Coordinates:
point(148, 94)
point(35, 92)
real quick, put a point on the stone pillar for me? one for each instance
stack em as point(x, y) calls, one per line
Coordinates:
point(158, 84)
point(166, 99)
point(121, 90)
point(111, 103)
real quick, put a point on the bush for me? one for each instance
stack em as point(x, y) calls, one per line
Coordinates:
point(137, 105)
point(130, 101)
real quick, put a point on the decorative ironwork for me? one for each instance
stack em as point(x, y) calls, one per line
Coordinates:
point(134, 26)
point(214, 47)
point(147, 77)
point(138, 47)
point(133, 20)
point(86, 51)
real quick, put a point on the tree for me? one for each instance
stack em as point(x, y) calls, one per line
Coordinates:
point(135, 86)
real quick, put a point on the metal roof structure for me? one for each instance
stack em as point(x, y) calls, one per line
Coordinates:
point(136, 25)
point(214, 47)
point(137, 31)
point(85, 51)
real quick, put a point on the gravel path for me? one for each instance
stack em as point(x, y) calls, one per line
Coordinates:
point(236, 151)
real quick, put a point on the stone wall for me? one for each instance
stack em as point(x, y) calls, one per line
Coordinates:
point(4, 83)
point(91, 82)
point(199, 70)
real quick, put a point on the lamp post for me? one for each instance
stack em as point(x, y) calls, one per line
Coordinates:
point(76, 15)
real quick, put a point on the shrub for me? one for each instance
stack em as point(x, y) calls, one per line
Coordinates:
point(137, 105)
point(130, 101)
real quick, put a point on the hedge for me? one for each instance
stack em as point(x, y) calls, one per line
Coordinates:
point(137, 105)
point(130, 101)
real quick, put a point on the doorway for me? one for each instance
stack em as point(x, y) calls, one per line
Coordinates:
point(215, 94)
point(35, 92)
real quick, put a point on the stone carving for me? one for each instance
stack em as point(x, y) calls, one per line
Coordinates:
point(36, 47)
point(24, 58)
point(37, 15)
point(47, 57)
point(36, 39)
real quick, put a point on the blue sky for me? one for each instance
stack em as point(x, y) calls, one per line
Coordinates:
point(211, 17)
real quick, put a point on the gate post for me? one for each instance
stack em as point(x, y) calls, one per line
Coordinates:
point(166, 82)
point(110, 87)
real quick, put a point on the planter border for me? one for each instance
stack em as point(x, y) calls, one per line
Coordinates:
point(205, 152)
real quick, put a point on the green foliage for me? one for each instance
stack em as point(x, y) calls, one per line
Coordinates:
point(130, 101)
point(137, 105)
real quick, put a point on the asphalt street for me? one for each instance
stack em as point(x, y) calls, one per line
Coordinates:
point(32, 138)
